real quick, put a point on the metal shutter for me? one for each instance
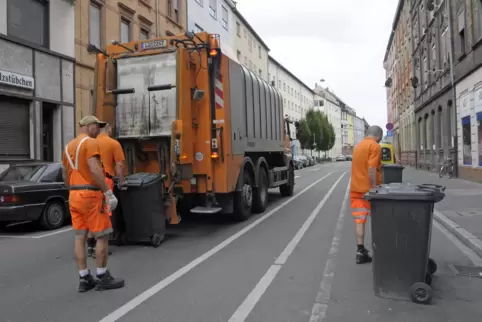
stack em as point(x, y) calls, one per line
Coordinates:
point(14, 128)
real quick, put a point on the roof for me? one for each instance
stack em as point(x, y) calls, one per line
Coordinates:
point(232, 4)
point(394, 27)
point(291, 74)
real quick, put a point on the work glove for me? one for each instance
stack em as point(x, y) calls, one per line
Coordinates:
point(122, 185)
point(110, 200)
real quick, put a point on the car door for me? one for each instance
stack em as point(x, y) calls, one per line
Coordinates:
point(52, 182)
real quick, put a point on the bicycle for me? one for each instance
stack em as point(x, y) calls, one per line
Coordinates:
point(447, 169)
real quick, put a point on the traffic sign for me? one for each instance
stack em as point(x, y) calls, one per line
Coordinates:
point(389, 126)
point(389, 133)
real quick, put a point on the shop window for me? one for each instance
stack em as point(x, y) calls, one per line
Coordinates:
point(467, 142)
point(479, 136)
point(29, 20)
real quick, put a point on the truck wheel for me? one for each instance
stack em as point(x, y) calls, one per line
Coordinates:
point(288, 188)
point(243, 200)
point(260, 195)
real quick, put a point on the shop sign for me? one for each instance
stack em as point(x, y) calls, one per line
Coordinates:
point(17, 80)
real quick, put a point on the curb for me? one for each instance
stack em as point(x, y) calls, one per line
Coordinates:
point(465, 236)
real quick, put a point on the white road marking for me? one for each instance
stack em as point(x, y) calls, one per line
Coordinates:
point(253, 298)
point(56, 232)
point(473, 256)
point(297, 177)
point(147, 294)
point(320, 307)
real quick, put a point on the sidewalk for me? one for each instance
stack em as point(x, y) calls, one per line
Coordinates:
point(461, 210)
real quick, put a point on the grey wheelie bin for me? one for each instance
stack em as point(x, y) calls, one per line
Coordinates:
point(392, 173)
point(401, 234)
point(117, 219)
point(143, 209)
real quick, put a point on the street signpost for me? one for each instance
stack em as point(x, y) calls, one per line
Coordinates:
point(389, 133)
point(389, 126)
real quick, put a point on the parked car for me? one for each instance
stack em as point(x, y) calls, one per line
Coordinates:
point(340, 158)
point(34, 192)
point(349, 157)
point(298, 163)
point(304, 159)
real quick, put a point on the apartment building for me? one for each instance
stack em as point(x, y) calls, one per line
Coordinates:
point(251, 50)
point(329, 105)
point(431, 78)
point(214, 16)
point(37, 77)
point(98, 22)
point(400, 99)
point(467, 37)
point(359, 129)
point(297, 97)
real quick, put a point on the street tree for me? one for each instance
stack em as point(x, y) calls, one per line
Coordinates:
point(303, 134)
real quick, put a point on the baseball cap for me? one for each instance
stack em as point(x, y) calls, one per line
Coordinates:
point(91, 119)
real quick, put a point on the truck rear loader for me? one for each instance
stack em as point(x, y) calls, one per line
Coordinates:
point(213, 129)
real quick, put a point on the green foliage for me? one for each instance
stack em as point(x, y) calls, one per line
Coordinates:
point(322, 134)
point(303, 134)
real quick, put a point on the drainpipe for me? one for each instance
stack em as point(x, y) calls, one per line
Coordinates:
point(454, 93)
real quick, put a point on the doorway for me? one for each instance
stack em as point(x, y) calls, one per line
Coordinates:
point(48, 132)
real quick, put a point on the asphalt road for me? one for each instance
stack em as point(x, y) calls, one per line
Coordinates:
point(295, 262)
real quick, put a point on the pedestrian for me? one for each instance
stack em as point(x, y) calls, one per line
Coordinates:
point(90, 199)
point(112, 158)
point(365, 174)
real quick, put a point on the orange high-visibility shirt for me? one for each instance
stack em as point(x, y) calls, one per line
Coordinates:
point(88, 149)
point(367, 154)
point(110, 153)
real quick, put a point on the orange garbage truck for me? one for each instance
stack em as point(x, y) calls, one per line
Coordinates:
point(210, 127)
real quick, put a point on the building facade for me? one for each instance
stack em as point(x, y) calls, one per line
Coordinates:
point(432, 81)
point(350, 132)
point(400, 98)
point(37, 77)
point(251, 50)
point(467, 34)
point(98, 22)
point(297, 97)
point(359, 129)
point(329, 105)
point(214, 16)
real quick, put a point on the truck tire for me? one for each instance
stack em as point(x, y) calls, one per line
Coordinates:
point(243, 200)
point(260, 194)
point(288, 188)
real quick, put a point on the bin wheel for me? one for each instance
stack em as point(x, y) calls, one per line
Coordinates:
point(157, 240)
point(432, 266)
point(421, 293)
point(428, 278)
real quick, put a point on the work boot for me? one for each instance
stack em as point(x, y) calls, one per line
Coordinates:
point(86, 283)
point(107, 282)
point(362, 256)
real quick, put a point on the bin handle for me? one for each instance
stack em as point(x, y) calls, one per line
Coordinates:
point(436, 186)
point(438, 194)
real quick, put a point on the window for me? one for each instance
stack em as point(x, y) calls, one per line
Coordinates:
point(250, 64)
point(213, 4)
point(245, 31)
point(479, 133)
point(250, 42)
point(176, 10)
point(260, 72)
point(29, 20)
point(144, 35)
point(125, 30)
point(198, 29)
point(461, 25)
point(200, 2)
point(238, 28)
point(22, 173)
point(53, 173)
point(173, 9)
point(259, 51)
point(94, 25)
point(466, 140)
point(239, 55)
point(224, 18)
point(245, 61)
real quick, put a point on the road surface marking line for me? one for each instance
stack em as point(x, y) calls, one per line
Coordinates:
point(320, 307)
point(14, 236)
point(54, 233)
point(473, 256)
point(253, 298)
point(297, 177)
point(147, 294)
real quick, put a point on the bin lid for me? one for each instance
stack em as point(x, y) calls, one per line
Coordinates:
point(405, 191)
point(397, 166)
point(142, 178)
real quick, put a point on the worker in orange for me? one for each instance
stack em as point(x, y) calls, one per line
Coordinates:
point(112, 158)
point(365, 174)
point(90, 200)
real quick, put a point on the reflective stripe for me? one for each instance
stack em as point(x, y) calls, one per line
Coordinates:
point(361, 216)
point(360, 210)
point(103, 233)
point(76, 166)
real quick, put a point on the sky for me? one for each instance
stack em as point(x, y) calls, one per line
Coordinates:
point(340, 41)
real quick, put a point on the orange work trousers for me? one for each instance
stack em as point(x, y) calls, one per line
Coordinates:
point(360, 207)
point(89, 213)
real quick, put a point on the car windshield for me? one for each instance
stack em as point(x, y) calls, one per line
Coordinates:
point(22, 172)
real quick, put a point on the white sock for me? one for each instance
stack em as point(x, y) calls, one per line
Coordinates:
point(101, 270)
point(83, 272)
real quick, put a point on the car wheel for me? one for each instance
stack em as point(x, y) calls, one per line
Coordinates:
point(53, 216)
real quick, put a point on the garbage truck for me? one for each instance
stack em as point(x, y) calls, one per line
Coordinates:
point(183, 109)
